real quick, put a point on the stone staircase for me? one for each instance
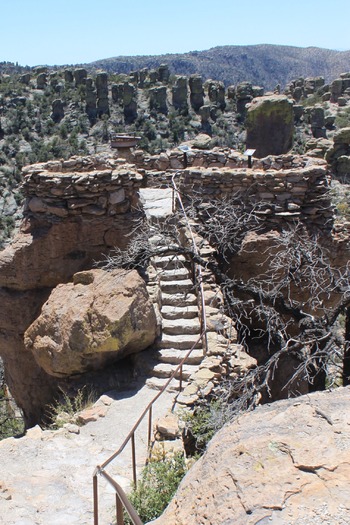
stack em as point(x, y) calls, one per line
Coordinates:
point(178, 317)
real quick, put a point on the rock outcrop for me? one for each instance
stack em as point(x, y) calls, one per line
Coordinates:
point(98, 319)
point(339, 155)
point(75, 212)
point(270, 125)
point(286, 464)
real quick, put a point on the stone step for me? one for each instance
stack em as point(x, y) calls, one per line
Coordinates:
point(181, 326)
point(173, 356)
point(179, 312)
point(180, 342)
point(169, 261)
point(157, 383)
point(179, 299)
point(164, 370)
point(183, 285)
point(174, 274)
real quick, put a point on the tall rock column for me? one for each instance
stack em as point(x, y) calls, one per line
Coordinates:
point(197, 92)
point(102, 94)
point(90, 107)
point(179, 92)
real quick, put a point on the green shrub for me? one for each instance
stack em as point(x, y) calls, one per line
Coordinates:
point(158, 484)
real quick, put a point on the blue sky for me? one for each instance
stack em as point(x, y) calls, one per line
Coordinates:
point(61, 32)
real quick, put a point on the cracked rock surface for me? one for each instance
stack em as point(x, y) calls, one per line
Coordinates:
point(287, 463)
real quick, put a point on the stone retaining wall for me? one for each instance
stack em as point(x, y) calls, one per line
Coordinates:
point(80, 187)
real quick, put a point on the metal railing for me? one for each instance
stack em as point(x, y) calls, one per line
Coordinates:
point(122, 501)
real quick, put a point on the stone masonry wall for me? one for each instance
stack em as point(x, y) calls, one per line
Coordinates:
point(289, 187)
point(73, 188)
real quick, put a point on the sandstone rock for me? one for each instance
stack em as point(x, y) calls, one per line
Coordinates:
point(167, 427)
point(285, 464)
point(270, 125)
point(158, 99)
point(85, 325)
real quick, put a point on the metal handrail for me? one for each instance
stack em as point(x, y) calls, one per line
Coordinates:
point(122, 501)
point(100, 469)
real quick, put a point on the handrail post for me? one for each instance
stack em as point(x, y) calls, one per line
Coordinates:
point(119, 510)
point(133, 452)
point(149, 427)
point(181, 378)
point(95, 489)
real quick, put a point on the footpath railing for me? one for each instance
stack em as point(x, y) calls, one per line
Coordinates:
point(121, 500)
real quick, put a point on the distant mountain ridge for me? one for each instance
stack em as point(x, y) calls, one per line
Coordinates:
point(265, 64)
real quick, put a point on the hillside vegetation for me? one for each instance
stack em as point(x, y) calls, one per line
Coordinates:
point(265, 65)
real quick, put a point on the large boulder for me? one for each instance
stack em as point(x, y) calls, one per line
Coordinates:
point(99, 318)
point(270, 125)
point(283, 464)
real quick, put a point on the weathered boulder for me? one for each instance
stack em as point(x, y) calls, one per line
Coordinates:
point(99, 318)
point(270, 125)
point(57, 110)
point(283, 464)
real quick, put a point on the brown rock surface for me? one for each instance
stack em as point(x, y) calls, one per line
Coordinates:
point(287, 463)
point(270, 125)
point(99, 318)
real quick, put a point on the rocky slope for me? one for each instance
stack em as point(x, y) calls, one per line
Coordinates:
point(287, 463)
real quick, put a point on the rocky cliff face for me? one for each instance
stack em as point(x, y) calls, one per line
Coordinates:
point(283, 464)
point(75, 213)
